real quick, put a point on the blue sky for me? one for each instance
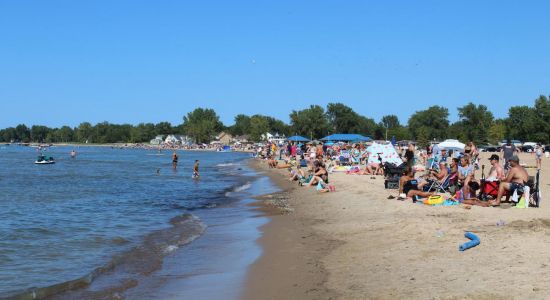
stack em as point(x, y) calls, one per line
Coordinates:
point(64, 62)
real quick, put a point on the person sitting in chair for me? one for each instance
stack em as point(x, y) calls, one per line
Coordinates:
point(408, 186)
point(516, 180)
point(435, 175)
point(465, 174)
point(496, 172)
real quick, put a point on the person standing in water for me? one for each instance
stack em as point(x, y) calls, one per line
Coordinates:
point(196, 169)
point(174, 159)
point(73, 154)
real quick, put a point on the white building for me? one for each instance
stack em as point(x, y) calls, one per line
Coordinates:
point(177, 139)
point(276, 138)
point(159, 139)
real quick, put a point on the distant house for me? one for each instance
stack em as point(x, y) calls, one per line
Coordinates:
point(266, 136)
point(177, 139)
point(159, 139)
point(242, 139)
point(224, 138)
point(274, 138)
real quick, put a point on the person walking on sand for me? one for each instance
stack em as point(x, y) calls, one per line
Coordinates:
point(508, 150)
point(174, 159)
point(196, 169)
point(538, 155)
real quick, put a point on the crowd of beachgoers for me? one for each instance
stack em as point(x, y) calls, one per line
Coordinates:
point(434, 175)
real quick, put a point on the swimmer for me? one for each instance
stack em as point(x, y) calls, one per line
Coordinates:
point(196, 169)
point(73, 154)
point(158, 171)
point(174, 159)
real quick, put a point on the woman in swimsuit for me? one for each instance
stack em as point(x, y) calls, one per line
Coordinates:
point(408, 185)
point(320, 174)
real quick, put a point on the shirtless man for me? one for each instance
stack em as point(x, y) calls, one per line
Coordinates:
point(497, 171)
point(516, 179)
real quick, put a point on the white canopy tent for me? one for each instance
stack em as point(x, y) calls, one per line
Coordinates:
point(454, 145)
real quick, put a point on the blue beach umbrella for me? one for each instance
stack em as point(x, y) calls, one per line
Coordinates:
point(297, 138)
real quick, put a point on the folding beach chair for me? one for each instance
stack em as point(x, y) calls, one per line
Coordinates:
point(535, 195)
point(443, 187)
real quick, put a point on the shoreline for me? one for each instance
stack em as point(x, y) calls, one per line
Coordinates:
point(290, 265)
point(356, 243)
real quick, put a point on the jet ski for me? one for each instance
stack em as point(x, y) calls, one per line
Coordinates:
point(44, 160)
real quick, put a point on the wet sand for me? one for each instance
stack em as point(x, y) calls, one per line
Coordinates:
point(356, 244)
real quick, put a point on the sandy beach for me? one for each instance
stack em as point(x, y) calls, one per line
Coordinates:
point(355, 243)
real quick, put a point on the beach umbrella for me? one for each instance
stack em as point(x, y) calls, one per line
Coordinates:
point(454, 145)
point(346, 137)
point(297, 138)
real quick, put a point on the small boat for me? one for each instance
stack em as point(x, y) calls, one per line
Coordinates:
point(44, 160)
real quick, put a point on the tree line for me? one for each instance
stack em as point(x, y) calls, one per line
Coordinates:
point(476, 123)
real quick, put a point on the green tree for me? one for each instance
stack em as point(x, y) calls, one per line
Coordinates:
point(389, 127)
point(365, 126)
point(259, 126)
point(497, 131)
point(310, 122)
point(85, 132)
point(143, 132)
point(8, 135)
point(423, 139)
point(432, 122)
point(456, 131)
point(390, 121)
point(39, 133)
point(542, 112)
point(241, 126)
point(164, 128)
point(23, 133)
point(342, 118)
point(476, 121)
point(202, 124)
point(521, 123)
point(278, 126)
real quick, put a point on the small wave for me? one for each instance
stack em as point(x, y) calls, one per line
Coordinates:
point(124, 269)
point(242, 187)
point(226, 165)
point(239, 189)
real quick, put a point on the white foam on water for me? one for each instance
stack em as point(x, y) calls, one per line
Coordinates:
point(239, 189)
point(242, 187)
point(226, 165)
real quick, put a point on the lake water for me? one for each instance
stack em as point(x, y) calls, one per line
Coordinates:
point(120, 218)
